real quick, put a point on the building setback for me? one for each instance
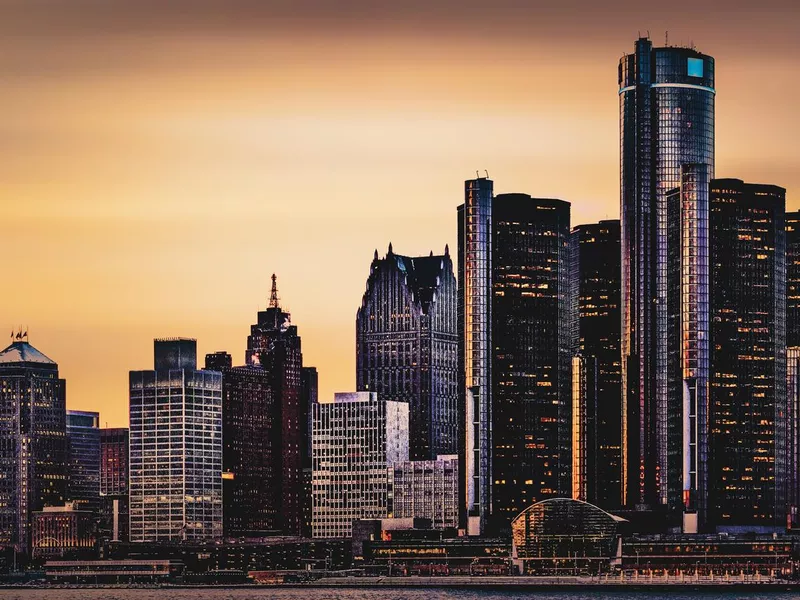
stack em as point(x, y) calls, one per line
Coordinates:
point(667, 101)
point(83, 443)
point(356, 437)
point(407, 345)
point(533, 343)
point(748, 361)
point(426, 489)
point(33, 440)
point(114, 483)
point(175, 447)
point(274, 345)
point(596, 268)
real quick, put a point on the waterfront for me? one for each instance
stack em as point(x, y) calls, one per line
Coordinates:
point(394, 594)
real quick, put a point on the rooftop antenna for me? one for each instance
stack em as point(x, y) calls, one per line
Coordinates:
point(477, 174)
point(648, 34)
point(666, 41)
point(487, 173)
point(273, 296)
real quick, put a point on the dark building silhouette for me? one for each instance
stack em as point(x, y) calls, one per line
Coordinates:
point(407, 345)
point(274, 345)
point(309, 384)
point(83, 472)
point(597, 292)
point(475, 353)
point(114, 483)
point(666, 121)
point(533, 344)
point(793, 279)
point(251, 452)
point(748, 361)
point(33, 440)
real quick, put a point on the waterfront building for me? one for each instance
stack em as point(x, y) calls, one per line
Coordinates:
point(792, 437)
point(475, 352)
point(426, 489)
point(748, 412)
point(355, 439)
point(62, 530)
point(274, 344)
point(33, 439)
point(596, 268)
point(251, 455)
point(83, 444)
point(175, 447)
point(309, 392)
point(407, 345)
point(585, 428)
point(114, 483)
point(667, 101)
point(533, 341)
point(793, 278)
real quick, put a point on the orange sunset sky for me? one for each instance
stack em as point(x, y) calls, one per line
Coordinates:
point(160, 159)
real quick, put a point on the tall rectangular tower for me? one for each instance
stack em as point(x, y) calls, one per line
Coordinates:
point(83, 479)
point(114, 483)
point(175, 448)
point(667, 100)
point(475, 352)
point(748, 408)
point(793, 279)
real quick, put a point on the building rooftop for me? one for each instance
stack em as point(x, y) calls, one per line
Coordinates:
point(23, 352)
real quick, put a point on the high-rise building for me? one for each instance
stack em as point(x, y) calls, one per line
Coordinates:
point(356, 438)
point(426, 489)
point(748, 409)
point(533, 344)
point(175, 448)
point(407, 345)
point(33, 440)
point(83, 467)
point(114, 483)
point(309, 387)
point(793, 279)
point(793, 437)
point(251, 456)
point(597, 293)
point(274, 345)
point(585, 429)
point(666, 121)
point(475, 353)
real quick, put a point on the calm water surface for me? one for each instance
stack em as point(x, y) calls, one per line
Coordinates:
point(393, 594)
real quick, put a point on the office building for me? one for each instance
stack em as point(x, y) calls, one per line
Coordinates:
point(596, 265)
point(355, 439)
point(748, 410)
point(792, 453)
point(60, 531)
point(407, 345)
point(667, 100)
point(533, 341)
point(475, 353)
point(426, 489)
point(309, 392)
point(274, 345)
point(793, 278)
point(585, 429)
point(33, 439)
point(175, 462)
point(114, 483)
point(83, 443)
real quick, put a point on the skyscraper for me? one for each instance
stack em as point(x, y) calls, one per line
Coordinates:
point(251, 455)
point(748, 411)
point(407, 345)
point(666, 121)
point(793, 437)
point(175, 447)
point(274, 345)
point(309, 384)
point(532, 334)
point(597, 293)
point(83, 443)
point(475, 352)
point(114, 483)
point(793, 279)
point(33, 440)
point(356, 438)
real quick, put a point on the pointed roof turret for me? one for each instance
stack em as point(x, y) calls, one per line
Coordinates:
point(390, 248)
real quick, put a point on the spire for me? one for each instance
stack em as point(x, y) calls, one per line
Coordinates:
point(390, 247)
point(447, 250)
point(376, 254)
point(273, 297)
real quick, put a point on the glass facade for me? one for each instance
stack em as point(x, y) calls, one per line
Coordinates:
point(114, 483)
point(475, 351)
point(748, 408)
point(533, 344)
point(175, 454)
point(83, 442)
point(33, 440)
point(793, 279)
point(793, 437)
point(407, 345)
point(596, 270)
point(666, 121)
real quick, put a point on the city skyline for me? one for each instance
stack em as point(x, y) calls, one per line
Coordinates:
point(148, 135)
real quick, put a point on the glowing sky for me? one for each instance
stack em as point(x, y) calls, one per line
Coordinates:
point(160, 159)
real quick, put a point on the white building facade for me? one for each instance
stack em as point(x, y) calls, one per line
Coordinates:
point(426, 489)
